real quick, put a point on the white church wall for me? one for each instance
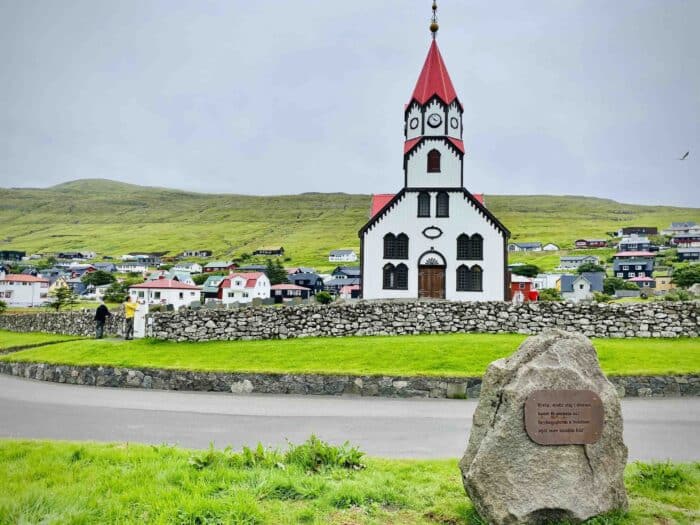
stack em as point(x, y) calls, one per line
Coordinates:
point(450, 167)
point(464, 218)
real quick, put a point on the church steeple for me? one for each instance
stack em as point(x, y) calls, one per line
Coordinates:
point(434, 79)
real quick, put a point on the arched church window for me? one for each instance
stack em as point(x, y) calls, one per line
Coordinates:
point(389, 245)
point(476, 247)
point(433, 161)
point(402, 277)
point(389, 280)
point(462, 278)
point(463, 247)
point(475, 279)
point(442, 205)
point(423, 204)
point(401, 250)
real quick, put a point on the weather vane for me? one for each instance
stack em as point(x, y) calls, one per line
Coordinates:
point(434, 21)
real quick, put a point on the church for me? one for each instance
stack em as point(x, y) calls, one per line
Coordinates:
point(434, 239)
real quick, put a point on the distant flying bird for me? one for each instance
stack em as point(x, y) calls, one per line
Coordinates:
point(685, 155)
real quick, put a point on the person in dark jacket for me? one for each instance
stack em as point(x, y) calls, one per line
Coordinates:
point(101, 315)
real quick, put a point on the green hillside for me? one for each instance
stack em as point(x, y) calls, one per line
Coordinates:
point(115, 218)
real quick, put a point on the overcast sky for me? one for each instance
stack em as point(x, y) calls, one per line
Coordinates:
point(589, 97)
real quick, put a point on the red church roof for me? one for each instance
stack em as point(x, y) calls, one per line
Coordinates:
point(434, 79)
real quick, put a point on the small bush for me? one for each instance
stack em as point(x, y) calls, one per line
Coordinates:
point(315, 455)
point(601, 297)
point(677, 295)
point(324, 297)
point(3, 306)
point(660, 476)
point(550, 294)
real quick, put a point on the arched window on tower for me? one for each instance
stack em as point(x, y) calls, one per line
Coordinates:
point(424, 204)
point(389, 245)
point(433, 161)
point(401, 250)
point(443, 205)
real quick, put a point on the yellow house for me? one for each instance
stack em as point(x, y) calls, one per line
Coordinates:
point(664, 284)
point(58, 283)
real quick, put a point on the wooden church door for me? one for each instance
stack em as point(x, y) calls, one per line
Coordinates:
point(431, 282)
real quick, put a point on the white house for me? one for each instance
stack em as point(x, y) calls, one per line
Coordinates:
point(433, 239)
point(23, 290)
point(165, 291)
point(191, 267)
point(342, 256)
point(577, 288)
point(525, 247)
point(131, 267)
point(244, 287)
point(571, 262)
point(544, 281)
point(550, 247)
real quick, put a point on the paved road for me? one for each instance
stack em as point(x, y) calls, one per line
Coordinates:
point(411, 428)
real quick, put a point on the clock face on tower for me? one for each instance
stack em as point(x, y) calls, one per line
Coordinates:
point(434, 120)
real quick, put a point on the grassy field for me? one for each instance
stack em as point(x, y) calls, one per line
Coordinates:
point(465, 355)
point(12, 340)
point(54, 482)
point(115, 218)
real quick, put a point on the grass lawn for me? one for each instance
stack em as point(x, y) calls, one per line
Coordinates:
point(432, 355)
point(59, 482)
point(11, 340)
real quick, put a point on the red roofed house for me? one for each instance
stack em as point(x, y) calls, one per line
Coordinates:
point(434, 238)
point(351, 291)
point(165, 291)
point(23, 290)
point(244, 287)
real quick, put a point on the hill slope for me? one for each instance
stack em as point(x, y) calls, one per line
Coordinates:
point(114, 218)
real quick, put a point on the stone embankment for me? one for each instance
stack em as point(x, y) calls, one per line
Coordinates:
point(383, 386)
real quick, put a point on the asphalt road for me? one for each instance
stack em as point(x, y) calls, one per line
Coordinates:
point(655, 429)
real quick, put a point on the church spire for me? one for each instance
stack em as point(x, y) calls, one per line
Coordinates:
point(434, 21)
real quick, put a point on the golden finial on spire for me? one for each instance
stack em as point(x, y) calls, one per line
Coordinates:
point(433, 21)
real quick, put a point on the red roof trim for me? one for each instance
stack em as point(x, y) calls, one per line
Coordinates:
point(457, 143)
point(434, 79)
point(408, 145)
point(379, 201)
point(22, 278)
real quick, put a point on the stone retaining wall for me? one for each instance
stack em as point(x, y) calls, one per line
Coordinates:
point(384, 386)
point(67, 323)
point(657, 319)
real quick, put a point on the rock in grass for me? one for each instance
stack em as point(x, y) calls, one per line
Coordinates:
point(510, 478)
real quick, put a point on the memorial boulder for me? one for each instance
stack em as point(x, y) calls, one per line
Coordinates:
point(546, 442)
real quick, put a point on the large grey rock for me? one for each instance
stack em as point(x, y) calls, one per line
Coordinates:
point(510, 478)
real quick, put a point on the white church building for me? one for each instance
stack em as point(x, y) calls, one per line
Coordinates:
point(434, 239)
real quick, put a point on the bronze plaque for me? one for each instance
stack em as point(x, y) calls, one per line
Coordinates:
point(564, 417)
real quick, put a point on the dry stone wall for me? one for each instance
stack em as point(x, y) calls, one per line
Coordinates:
point(67, 323)
point(314, 384)
point(657, 319)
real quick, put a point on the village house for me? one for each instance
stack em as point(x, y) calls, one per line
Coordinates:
point(244, 287)
point(210, 288)
point(105, 267)
point(131, 267)
point(147, 259)
point(434, 238)
point(644, 282)
point(634, 243)
point(677, 228)
point(310, 280)
point(190, 267)
point(219, 266)
point(525, 247)
point(663, 284)
point(577, 288)
point(521, 289)
point(545, 281)
point(270, 250)
point(164, 292)
point(689, 254)
point(287, 292)
point(183, 277)
point(342, 256)
point(346, 272)
point(23, 290)
point(637, 230)
point(627, 265)
point(572, 262)
point(253, 268)
point(350, 291)
point(550, 247)
point(12, 255)
point(690, 239)
point(591, 243)
point(197, 253)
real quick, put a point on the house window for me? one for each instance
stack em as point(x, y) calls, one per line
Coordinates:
point(521, 286)
point(423, 204)
point(141, 295)
point(631, 274)
point(580, 287)
point(156, 295)
point(470, 280)
point(625, 267)
point(443, 205)
point(182, 295)
point(470, 248)
point(619, 274)
point(434, 161)
point(638, 267)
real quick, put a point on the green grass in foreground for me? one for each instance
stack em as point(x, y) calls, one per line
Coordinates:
point(432, 355)
point(10, 340)
point(58, 482)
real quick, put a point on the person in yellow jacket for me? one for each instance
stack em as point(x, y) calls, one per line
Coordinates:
point(130, 307)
